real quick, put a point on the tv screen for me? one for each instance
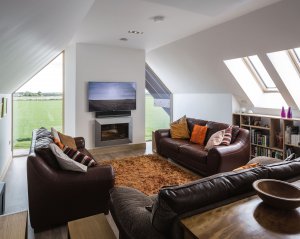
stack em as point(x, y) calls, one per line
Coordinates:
point(111, 96)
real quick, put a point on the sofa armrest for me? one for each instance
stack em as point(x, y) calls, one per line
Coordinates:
point(159, 134)
point(227, 158)
point(80, 142)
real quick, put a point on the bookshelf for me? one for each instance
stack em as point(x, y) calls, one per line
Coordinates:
point(271, 136)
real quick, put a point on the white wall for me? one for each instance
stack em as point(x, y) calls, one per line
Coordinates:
point(195, 64)
point(70, 90)
point(106, 63)
point(214, 107)
point(5, 139)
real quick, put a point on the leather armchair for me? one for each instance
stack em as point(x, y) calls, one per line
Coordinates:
point(57, 196)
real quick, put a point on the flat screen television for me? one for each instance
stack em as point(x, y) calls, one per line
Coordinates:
point(111, 96)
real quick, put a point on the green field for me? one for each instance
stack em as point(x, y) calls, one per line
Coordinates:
point(156, 118)
point(32, 114)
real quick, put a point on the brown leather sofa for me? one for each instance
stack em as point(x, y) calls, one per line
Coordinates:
point(130, 207)
point(194, 157)
point(57, 196)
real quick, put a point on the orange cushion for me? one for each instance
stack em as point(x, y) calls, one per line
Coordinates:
point(198, 134)
point(58, 143)
point(252, 165)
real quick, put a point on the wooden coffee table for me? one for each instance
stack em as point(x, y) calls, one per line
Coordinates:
point(246, 218)
point(93, 227)
point(14, 226)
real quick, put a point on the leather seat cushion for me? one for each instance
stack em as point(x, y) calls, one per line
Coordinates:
point(194, 152)
point(172, 144)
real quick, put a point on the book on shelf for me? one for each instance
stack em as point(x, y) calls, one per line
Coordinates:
point(295, 139)
point(259, 151)
point(260, 139)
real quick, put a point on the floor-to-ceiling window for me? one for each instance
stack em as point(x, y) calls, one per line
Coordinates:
point(38, 103)
point(156, 116)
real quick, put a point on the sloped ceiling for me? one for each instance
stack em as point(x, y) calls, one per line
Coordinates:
point(108, 20)
point(195, 64)
point(32, 33)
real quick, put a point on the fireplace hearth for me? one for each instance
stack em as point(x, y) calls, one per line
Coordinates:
point(112, 131)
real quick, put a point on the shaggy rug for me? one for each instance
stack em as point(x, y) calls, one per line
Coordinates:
point(148, 173)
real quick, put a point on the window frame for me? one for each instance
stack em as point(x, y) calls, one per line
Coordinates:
point(258, 77)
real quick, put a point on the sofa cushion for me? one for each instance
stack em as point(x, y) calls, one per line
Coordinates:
point(194, 152)
point(215, 139)
point(65, 162)
point(179, 129)
point(213, 127)
point(79, 157)
point(227, 136)
point(198, 134)
point(67, 140)
point(191, 122)
point(128, 208)
point(172, 144)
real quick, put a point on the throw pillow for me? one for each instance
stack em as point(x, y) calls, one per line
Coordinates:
point(227, 136)
point(56, 138)
point(215, 140)
point(247, 166)
point(179, 129)
point(79, 157)
point(65, 162)
point(67, 140)
point(264, 160)
point(198, 134)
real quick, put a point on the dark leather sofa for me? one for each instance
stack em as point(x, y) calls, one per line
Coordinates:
point(134, 221)
point(194, 157)
point(57, 196)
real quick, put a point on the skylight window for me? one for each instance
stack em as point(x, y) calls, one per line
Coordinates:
point(248, 81)
point(287, 67)
point(297, 53)
point(261, 73)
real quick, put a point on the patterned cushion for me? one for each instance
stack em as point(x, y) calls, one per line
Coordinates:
point(179, 129)
point(215, 139)
point(198, 134)
point(227, 136)
point(65, 162)
point(79, 157)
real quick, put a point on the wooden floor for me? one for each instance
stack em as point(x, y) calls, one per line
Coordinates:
point(16, 198)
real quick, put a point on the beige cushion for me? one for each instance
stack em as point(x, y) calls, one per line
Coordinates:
point(67, 140)
point(263, 160)
point(65, 162)
point(179, 129)
point(215, 139)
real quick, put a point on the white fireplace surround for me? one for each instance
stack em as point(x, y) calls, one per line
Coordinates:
point(112, 120)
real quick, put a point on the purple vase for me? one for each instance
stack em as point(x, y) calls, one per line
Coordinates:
point(283, 112)
point(289, 113)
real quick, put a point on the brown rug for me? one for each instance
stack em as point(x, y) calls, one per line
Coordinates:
point(148, 173)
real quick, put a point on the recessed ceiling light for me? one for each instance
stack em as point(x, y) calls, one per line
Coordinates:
point(158, 18)
point(135, 32)
point(123, 39)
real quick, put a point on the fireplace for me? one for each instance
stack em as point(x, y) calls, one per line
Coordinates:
point(113, 131)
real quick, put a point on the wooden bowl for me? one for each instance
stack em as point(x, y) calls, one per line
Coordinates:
point(278, 193)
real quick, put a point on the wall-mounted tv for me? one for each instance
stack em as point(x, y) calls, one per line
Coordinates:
point(111, 96)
